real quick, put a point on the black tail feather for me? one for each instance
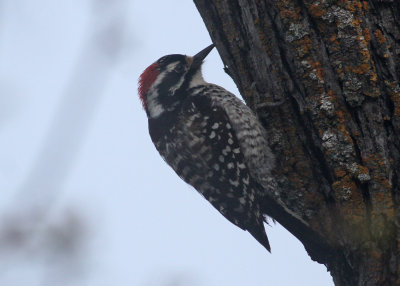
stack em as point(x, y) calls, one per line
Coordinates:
point(258, 232)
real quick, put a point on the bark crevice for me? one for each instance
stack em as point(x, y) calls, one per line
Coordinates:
point(333, 66)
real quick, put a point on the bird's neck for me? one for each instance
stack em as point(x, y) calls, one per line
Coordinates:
point(197, 79)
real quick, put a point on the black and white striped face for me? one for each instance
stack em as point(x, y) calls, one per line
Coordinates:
point(163, 85)
point(163, 96)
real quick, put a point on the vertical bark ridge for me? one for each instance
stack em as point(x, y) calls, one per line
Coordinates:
point(335, 67)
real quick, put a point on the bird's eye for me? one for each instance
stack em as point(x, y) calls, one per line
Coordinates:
point(179, 68)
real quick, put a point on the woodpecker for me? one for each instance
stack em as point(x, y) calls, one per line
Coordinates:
point(209, 137)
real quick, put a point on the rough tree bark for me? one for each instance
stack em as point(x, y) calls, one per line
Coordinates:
point(323, 76)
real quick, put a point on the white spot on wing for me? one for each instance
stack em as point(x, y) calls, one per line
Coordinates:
point(215, 126)
point(234, 183)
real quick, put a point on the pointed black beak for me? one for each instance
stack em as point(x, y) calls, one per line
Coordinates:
point(200, 56)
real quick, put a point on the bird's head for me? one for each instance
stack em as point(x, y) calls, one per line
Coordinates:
point(162, 84)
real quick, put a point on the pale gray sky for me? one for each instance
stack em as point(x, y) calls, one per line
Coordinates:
point(68, 93)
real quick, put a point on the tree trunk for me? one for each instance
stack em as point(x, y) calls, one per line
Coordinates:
point(323, 76)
